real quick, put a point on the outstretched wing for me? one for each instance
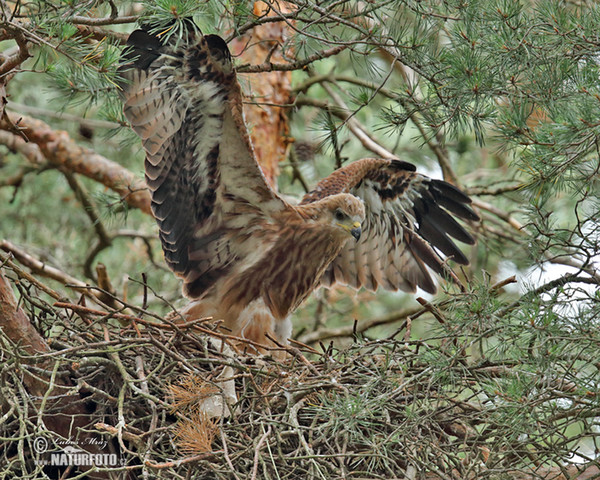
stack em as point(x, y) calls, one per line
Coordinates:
point(408, 221)
point(183, 100)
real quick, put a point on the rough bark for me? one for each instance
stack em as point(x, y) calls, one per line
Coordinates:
point(17, 327)
point(68, 413)
point(265, 109)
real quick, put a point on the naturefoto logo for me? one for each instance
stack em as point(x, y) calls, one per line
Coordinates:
point(71, 456)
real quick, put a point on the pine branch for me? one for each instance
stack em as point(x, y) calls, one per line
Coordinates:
point(355, 127)
point(97, 22)
point(268, 66)
point(15, 60)
point(61, 151)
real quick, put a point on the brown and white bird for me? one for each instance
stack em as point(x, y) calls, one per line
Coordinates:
point(246, 255)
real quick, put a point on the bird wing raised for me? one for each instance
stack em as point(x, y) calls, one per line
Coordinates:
point(409, 219)
point(183, 100)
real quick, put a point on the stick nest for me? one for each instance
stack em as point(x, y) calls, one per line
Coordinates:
point(177, 401)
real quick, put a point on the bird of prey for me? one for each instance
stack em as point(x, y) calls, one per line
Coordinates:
point(246, 255)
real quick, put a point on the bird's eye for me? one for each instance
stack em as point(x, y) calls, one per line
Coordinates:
point(339, 215)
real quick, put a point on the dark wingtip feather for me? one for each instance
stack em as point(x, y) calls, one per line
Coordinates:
point(434, 225)
point(436, 237)
point(453, 199)
point(143, 46)
point(447, 223)
point(402, 165)
point(423, 251)
point(218, 47)
point(143, 49)
point(451, 191)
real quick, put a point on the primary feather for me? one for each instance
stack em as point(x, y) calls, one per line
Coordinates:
point(408, 216)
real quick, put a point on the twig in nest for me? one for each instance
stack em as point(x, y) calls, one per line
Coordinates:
point(183, 461)
point(259, 445)
point(226, 454)
point(32, 263)
point(432, 309)
point(123, 316)
point(296, 353)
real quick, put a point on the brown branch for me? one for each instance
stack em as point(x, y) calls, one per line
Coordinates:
point(102, 296)
point(98, 34)
point(17, 327)
point(349, 330)
point(103, 21)
point(355, 127)
point(68, 418)
point(259, 445)
point(255, 22)
point(61, 151)
point(12, 62)
point(297, 65)
point(105, 285)
point(41, 268)
point(32, 263)
point(16, 144)
point(83, 310)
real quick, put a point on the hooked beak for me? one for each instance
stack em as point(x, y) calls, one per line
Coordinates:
point(353, 230)
point(356, 231)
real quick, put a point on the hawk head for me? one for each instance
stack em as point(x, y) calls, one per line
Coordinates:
point(343, 211)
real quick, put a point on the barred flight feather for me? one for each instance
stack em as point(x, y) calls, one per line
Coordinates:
point(409, 217)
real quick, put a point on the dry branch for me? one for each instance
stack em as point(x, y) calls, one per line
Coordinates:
point(61, 151)
point(44, 270)
point(14, 61)
point(16, 143)
point(61, 413)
